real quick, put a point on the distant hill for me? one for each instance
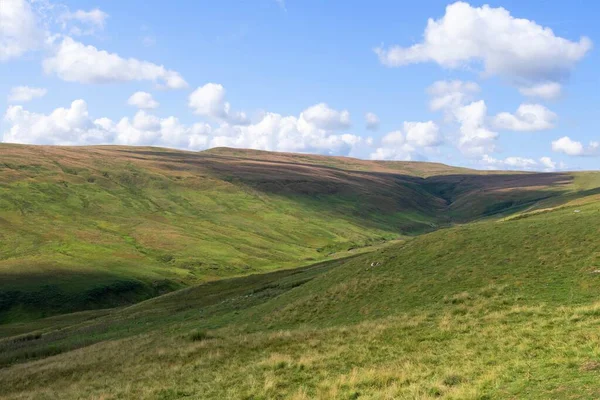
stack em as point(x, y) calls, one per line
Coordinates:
point(101, 226)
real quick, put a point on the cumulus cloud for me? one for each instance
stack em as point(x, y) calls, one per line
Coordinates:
point(20, 29)
point(324, 117)
point(394, 138)
point(544, 90)
point(209, 101)
point(548, 164)
point(521, 163)
point(574, 148)
point(450, 94)
point(422, 134)
point(285, 133)
point(148, 129)
point(515, 48)
point(475, 137)
point(394, 147)
point(372, 121)
point(527, 118)
point(404, 152)
point(73, 61)
point(143, 100)
point(86, 22)
point(405, 144)
point(23, 94)
point(509, 163)
point(63, 126)
point(73, 125)
point(455, 98)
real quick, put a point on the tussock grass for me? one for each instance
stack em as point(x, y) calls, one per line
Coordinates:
point(199, 336)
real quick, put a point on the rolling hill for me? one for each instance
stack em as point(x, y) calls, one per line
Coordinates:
point(502, 307)
point(94, 227)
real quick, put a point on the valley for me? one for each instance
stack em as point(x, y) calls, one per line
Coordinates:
point(243, 274)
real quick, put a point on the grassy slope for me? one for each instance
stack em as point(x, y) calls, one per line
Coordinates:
point(90, 227)
point(493, 309)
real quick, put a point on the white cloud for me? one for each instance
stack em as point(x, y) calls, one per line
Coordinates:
point(394, 147)
point(404, 152)
point(372, 121)
point(142, 100)
point(209, 101)
point(544, 90)
point(405, 144)
point(89, 21)
point(475, 137)
point(422, 134)
point(63, 126)
point(73, 125)
point(528, 118)
point(520, 163)
point(23, 94)
point(394, 138)
point(286, 133)
point(20, 29)
point(515, 48)
point(324, 117)
point(550, 165)
point(574, 148)
point(76, 62)
point(450, 94)
point(147, 129)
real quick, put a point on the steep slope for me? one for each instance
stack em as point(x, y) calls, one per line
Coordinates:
point(494, 309)
point(89, 227)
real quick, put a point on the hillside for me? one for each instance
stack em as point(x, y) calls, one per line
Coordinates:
point(102, 226)
point(501, 308)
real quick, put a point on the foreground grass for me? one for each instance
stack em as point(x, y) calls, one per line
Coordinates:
point(495, 309)
point(482, 348)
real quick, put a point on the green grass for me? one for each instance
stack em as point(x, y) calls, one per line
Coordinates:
point(98, 227)
point(493, 309)
point(81, 231)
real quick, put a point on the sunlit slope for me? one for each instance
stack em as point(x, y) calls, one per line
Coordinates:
point(100, 226)
point(88, 227)
point(495, 309)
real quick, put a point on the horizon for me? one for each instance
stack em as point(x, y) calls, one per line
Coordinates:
point(566, 171)
point(373, 82)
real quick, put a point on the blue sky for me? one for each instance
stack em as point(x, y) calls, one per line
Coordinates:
point(497, 84)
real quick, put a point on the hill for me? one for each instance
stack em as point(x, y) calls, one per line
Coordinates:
point(94, 227)
point(500, 308)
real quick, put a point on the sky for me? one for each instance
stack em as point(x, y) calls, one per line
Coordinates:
point(489, 85)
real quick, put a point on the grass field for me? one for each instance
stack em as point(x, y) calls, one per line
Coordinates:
point(95, 227)
point(99, 227)
point(500, 308)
